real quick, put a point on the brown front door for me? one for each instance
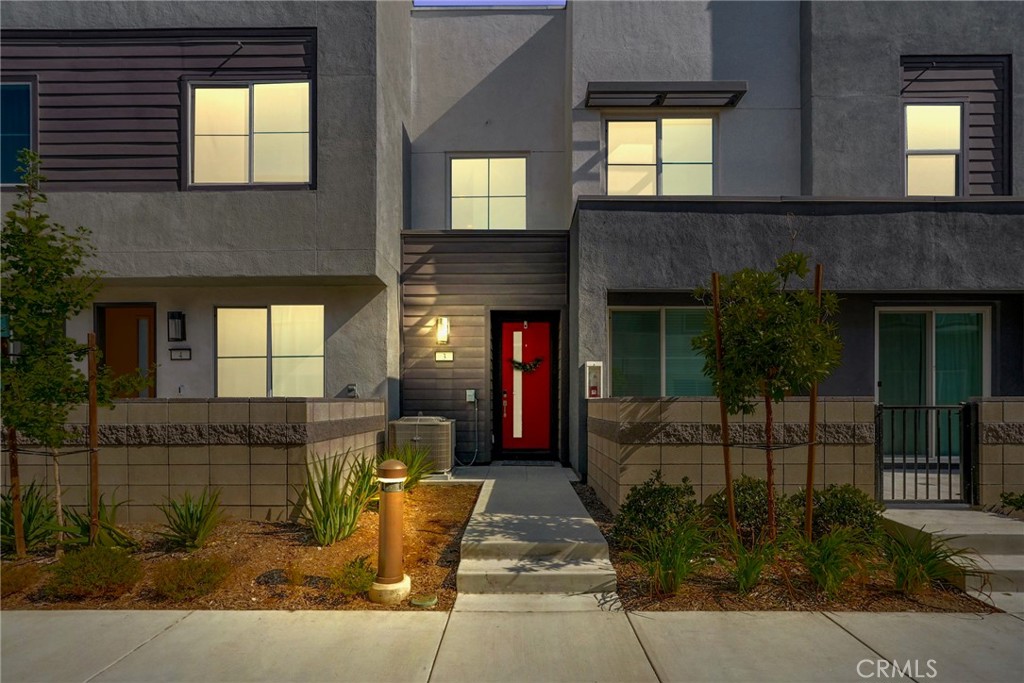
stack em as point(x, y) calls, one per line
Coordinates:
point(127, 339)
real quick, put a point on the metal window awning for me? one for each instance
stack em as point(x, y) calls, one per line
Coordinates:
point(664, 93)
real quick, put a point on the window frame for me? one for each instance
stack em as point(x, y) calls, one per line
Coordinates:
point(270, 349)
point(663, 351)
point(930, 312)
point(188, 86)
point(659, 162)
point(961, 154)
point(32, 81)
point(452, 156)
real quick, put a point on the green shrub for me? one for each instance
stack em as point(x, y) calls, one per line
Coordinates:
point(654, 506)
point(190, 578)
point(669, 557)
point(1014, 501)
point(191, 521)
point(334, 501)
point(751, 499)
point(747, 563)
point(18, 578)
point(416, 459)
point(77, 525)
point(38, 515)
point(354, 578)
point(95, 571)
point(833, 558)
point(917, 561)
point(837, 506)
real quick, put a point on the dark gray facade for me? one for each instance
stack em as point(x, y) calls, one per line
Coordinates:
point(814, 148)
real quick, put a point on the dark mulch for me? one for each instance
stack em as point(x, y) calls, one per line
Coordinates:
point(784, 586)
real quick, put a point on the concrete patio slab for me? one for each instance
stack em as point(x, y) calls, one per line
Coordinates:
point(964, 647)
point(288, 646)
point(748, 646)
point(550, 647)
point(73, 645)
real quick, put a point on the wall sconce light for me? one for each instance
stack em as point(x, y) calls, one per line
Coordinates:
point(442, 330)
point(175, 326)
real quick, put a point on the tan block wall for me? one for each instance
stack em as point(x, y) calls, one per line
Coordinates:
point(257, 480)
point(1001, 457)
point(629, 439)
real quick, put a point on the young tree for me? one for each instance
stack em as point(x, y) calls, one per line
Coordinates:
point(775, 341)
point(45, 283)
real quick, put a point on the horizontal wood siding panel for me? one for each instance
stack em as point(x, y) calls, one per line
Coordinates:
point(110, 101)
point(982, 81)
point(462, 276)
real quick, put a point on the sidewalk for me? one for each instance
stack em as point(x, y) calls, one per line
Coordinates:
point(549, 638)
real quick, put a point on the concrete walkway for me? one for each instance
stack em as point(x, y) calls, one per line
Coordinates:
point(529, 533)
point(530, 638)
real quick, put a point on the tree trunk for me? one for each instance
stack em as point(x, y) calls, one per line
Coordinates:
point(770, 466)
point(17, 516)
point(812, 425)
point(59, 552)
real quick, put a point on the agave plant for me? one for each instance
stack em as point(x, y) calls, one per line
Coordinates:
point(78, 526)
point(417, 461)
point(38, 514)
point(190, 521)
point(335, 500)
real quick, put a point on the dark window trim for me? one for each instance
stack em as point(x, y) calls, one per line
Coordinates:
point(451, 156)
point(647, 94)
point(962, 162)
point(657, 119)
point(188, 83)
point(32, 80)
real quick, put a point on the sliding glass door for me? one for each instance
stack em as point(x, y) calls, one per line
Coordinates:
point(929, 357)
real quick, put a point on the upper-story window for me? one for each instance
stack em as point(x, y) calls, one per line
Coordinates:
point(15, 128)
point(957, 125)
point(488, 193)
point(250, 133)
point(934, 149)
point(667, 156)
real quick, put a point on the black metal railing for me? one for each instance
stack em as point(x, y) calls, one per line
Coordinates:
point(926, 454)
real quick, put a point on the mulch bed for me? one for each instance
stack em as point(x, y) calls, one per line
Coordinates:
point(784, 586)
point(269, 559)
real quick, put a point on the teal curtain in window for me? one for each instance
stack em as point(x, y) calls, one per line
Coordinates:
point(958, 372)
point(902, 371)
point(636, 353)
point(684, 367)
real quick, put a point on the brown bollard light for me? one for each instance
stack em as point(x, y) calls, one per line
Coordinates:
point(393, 584)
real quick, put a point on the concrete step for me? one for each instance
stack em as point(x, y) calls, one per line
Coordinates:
point(1003, 573)
point(498, 548)
point(983, 532)
point(1008, 601)
point(535, 575)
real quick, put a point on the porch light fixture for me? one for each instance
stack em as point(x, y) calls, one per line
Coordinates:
point(175, 326)
point(442, 330)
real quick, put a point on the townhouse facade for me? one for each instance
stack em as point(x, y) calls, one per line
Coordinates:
point(499, 214)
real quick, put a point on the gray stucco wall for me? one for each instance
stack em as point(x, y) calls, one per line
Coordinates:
point(329, 232)
point(851, 57)
point(355, 350)
point(898, 246)
point(758, 142)
point(489, 81)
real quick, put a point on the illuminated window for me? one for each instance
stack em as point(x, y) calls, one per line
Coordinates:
point(488, 193)
point(251, 133)
point(661, 157)
point(281, 347)
point(934, 143)
point(15, 128)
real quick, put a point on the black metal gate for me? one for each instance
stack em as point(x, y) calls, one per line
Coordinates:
point(926, 454)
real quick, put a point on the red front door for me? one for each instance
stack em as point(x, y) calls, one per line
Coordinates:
point(526, 385)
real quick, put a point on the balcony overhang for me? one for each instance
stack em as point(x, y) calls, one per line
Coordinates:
point(647, 94)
